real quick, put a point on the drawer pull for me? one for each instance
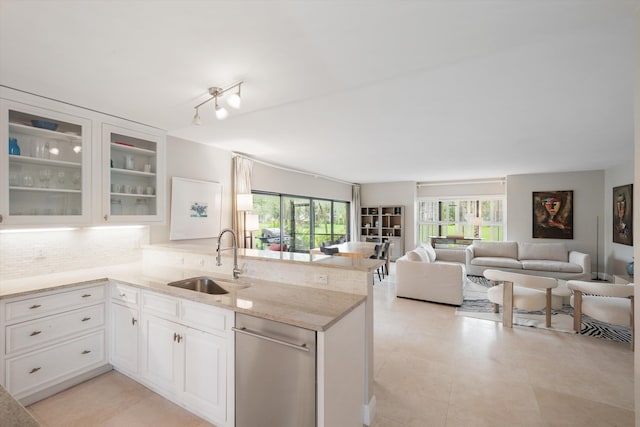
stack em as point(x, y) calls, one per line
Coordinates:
point(34, 333)
point(86, 295)
point(123, 295)
point(34, 370)
point(133, 322)
point(86, 318)
point(35, 306)
point(86, 352)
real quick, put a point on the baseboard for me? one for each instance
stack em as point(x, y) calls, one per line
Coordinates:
point(370, 411)
point(50, 391)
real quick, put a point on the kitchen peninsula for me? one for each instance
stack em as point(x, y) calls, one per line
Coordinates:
point(295, 289)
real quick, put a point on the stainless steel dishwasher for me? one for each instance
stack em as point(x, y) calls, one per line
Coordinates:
point(275, 374)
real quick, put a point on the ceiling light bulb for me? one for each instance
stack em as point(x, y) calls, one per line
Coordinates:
point(221, 112)
point(196, 117)
point(234, 100)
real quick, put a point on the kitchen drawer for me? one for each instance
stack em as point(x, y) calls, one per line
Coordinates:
point(160, 305)
point(40, 369)
point(205, 317)
point(124, 294)
point(34, 333)
point(32, 308)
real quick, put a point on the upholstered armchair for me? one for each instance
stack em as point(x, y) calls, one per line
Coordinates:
point(607, 302)
point(520, 291)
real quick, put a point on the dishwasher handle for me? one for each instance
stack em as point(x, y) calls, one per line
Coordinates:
point(246, 331)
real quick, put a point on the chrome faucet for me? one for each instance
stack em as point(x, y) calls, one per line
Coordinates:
point(236, 270)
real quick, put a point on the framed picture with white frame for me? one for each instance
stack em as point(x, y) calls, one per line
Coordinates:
point(196, 209)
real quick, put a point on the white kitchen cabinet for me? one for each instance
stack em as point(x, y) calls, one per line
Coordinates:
point(68, 160)
point(125, 327)
point(52, 339)
point(187, 354)
point(48, 171)
point(133, 174)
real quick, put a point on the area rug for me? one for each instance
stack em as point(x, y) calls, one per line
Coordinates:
point(477, 305)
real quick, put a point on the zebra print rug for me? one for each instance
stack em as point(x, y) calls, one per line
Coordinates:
point(562, 320)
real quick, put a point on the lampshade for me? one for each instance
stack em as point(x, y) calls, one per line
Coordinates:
point(221, 113)
point(234, 100)
point(253, 223)
point(244, 202)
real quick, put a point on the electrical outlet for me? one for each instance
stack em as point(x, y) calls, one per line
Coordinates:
point(39, 252)
point(322, 279)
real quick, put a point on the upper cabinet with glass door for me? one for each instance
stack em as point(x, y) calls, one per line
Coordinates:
point(46, 164)
point(133, 174)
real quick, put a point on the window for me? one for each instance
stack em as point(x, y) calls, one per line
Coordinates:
point(448, 217)
point(298, 223)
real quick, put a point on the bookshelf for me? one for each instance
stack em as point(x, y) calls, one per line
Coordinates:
point(382, 223)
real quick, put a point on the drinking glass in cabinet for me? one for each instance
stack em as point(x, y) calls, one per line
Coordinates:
point(129, 162)
point(76, 179)
point(116, 207)
point(45, 177)
point(60, 179)
point(141, 207)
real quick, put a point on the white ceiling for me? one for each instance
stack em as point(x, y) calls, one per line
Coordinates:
point(364, 91)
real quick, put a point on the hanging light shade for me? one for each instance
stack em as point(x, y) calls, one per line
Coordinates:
point(233, 101)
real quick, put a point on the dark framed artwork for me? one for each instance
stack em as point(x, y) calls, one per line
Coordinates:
point(553, 214)
point(623, 214)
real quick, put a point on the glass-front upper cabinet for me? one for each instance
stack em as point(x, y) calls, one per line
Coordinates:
point(133, 175)
point(45, 166)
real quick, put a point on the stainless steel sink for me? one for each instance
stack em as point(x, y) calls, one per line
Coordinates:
point(200, 284)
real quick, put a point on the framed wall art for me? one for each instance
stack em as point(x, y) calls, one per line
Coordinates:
point(623, 214)
point(553, 214)
point(196, 208)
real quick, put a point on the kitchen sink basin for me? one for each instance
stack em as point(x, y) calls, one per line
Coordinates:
point(200, 284)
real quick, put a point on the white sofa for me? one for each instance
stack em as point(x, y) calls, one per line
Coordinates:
point(540, 259)
point(431, 275)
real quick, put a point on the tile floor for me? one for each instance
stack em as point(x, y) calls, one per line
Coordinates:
point(432, 368)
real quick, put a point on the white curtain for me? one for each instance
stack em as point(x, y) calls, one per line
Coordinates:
point(355, 212)
point(242, 168)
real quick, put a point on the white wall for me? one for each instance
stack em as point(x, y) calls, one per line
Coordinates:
point(616, 255)
point(588, 196)
point(187, 159)
point(394, 193)
point(275, 180)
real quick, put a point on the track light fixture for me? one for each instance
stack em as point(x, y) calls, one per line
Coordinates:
point(233, 100)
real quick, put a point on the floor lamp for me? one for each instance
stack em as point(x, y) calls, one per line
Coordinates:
point(244, 204)
point(251, 224)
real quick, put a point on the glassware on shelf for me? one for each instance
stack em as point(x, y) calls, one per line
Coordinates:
point(75, 179)
point(141, 207)
point(42, 150)
point(116, 207)
point(14, 148)
point(14, 179)
point(60, 178)
point(27, 180)
point(45, 177)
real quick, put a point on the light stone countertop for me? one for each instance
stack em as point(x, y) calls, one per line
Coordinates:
point(343, 262)
point(301, 306)
point(12, 413)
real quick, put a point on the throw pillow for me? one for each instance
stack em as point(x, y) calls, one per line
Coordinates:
point(424, 257)
point(431, 253)
point(413, 256)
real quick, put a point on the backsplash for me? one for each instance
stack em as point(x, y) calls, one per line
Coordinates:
point(35, 253)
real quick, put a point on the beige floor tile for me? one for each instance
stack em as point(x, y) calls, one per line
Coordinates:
point(564, 410)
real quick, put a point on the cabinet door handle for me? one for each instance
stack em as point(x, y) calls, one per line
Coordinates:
point(86, 352)
point(0, 218)
point(86, 318)
point(106, 217)
point(86, 295)
point(175, 337)
point(123, 295)
point(35, 306)
point(133, 322)
point(34, 333)
point(34, 370)
point(179, 338)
